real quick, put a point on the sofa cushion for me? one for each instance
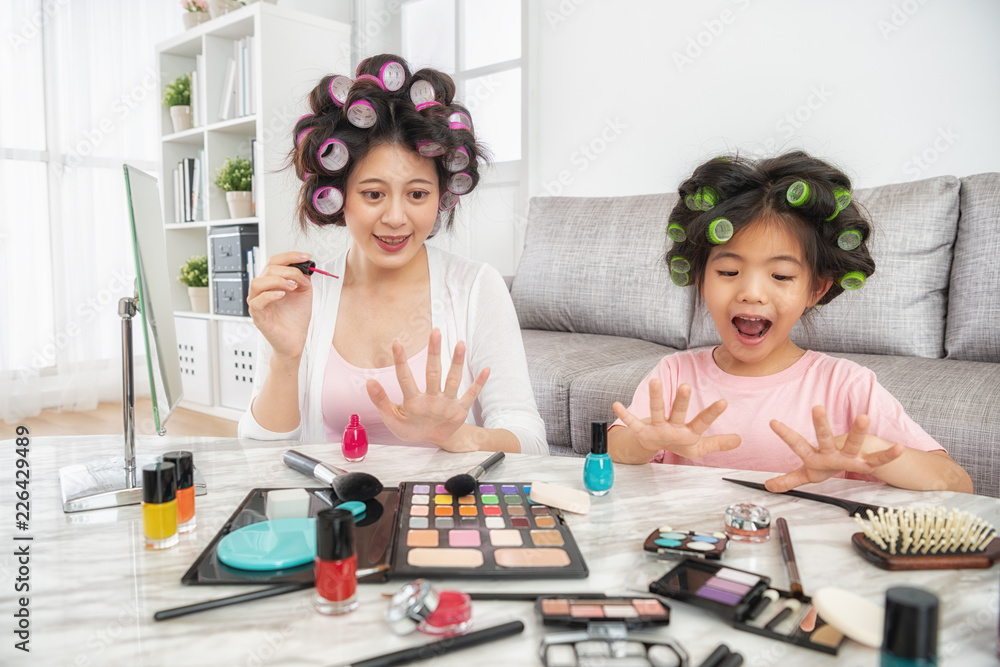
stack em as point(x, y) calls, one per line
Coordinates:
point(955, 402)
point(592, 393)
point(556, 358)
point(972, 333)
point(596, 265)
point(901, 309)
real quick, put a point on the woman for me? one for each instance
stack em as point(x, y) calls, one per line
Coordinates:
point(388, 155)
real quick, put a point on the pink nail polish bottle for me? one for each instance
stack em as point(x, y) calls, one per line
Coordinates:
point(355, 442)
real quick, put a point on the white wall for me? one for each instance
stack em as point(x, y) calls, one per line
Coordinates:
point(632, 94)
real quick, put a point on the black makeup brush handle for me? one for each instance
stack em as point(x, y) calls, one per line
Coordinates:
point(481, 469)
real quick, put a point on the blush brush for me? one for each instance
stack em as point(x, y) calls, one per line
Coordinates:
point(347, 485)
point(463, 485)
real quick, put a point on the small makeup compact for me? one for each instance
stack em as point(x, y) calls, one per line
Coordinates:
point(667, 542)
point(749, 603)
point(604, 632)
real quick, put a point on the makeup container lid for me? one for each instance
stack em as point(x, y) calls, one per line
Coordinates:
point(855, 616)
point(452, 615)
point(334, 534)
point(598, 437)
point(159, 482)
point(185, 467)
point(413, 603)
point(911, 623)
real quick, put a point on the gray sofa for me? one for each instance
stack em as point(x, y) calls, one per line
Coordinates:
point(597, 310)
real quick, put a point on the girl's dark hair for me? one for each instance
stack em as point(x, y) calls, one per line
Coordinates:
point(434, 128)
point(745, 191)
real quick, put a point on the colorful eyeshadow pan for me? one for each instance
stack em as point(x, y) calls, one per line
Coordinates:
point(667, 542)
point(487, 533)
point(578, 612)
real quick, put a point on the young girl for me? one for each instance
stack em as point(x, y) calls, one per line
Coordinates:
point(763, 242)
point(388, 155)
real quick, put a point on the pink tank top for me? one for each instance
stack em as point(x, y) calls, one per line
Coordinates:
point(344, 394)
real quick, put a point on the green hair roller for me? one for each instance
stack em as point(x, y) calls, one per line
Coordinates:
point(680, 278)
point(676, 232)
point(852, 280)
point(849, 240)
point(720, 230)
point(798, 193)
point(679, 264)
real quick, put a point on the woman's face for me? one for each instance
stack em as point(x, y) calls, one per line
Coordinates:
point(391, 204)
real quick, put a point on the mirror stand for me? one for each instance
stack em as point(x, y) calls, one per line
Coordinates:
point(108, 482)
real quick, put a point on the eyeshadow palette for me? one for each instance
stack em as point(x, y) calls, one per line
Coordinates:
point(601, 649)
point(373, 535)
point(665, 541)
point(496, 531)
point(580, 612)
point(749, 603)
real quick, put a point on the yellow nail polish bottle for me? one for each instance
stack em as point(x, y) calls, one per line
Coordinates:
point(159, 505)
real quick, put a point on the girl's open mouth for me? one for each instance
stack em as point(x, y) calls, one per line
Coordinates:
point(751, 327)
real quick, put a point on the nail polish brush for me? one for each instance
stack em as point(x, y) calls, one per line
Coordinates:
point(463, 485)
point(347, 485)
point(310, 267)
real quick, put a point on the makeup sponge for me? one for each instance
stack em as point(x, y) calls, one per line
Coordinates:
point(564, 498)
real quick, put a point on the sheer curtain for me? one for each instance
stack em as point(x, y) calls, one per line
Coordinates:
point(80, 96)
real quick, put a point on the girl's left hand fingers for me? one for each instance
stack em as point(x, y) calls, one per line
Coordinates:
point(378, 397)
point(433, 386)
point(856, 436)
point(454, 380)
point(824, 432)
point(788, 481)
point(403, 374)
point(880, 458)
point(470, 396)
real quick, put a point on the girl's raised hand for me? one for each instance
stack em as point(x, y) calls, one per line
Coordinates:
point(674, 435)
point(828, 459)
point(434, 415)
point(280, 301)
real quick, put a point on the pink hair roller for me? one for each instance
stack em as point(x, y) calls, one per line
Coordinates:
point(424, 105)
point(422, 92)
point(459, 117)
point(457, 160)
point(430, 148)
point(362, 114)
point(460, 126)
point(448, 201)
point(333, 154)
point(392, 76)
point(378, 81)
point(339, 87)
point(460, 183)
point(328, 200)
point(302, 134)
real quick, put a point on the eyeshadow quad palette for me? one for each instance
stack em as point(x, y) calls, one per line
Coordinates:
point(581, 612)
point(420, 530)
point(749, 603)
point(667, 542)
point(496, 531)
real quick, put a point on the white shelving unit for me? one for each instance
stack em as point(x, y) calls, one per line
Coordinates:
point(290, 52)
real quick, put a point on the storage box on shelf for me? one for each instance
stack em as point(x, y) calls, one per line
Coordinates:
point(255, 68)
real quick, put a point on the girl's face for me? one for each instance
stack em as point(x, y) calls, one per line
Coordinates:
point(756, 287)
point(391, 205)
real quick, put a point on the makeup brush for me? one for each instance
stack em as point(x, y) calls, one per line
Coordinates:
point(347, 485)
point(310, 267)
point(788, 556)
point(463, 485)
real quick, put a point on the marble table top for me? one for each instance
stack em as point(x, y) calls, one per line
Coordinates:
point(94, 588)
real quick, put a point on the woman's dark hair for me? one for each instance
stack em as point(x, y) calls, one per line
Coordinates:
point(745, 191)
point(434, 126)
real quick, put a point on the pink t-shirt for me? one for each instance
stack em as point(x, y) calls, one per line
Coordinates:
point(844, 388)
point(344, 394)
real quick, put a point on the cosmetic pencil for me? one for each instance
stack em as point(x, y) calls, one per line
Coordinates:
point(525, 597)
point(443, 646)
point(788, 555)
point(259, 594)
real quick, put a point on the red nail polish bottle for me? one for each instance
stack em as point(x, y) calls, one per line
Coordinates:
point(355, 442)
point(336, 562)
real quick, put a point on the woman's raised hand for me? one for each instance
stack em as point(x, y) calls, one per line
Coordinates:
point(833, 455)
point(674, 434)
point(435, 415)
point(280, 303)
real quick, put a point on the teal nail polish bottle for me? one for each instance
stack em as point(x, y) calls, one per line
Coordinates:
point(598, 474)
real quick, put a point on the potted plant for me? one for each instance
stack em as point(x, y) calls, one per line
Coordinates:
point(235, 177)
point(194, 274)
point(195, 12)
point(177, 96)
